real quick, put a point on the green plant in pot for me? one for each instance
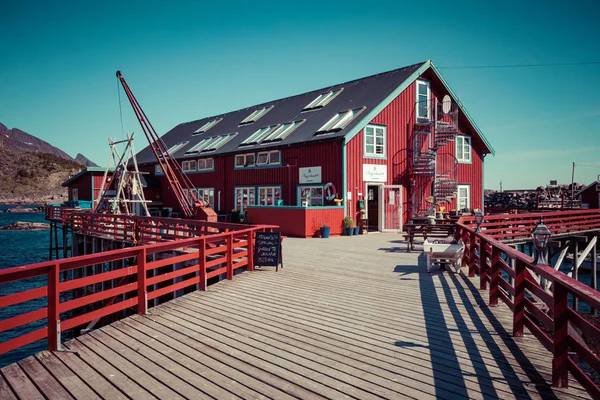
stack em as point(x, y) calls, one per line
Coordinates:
point(325, 229)
point(348, 225)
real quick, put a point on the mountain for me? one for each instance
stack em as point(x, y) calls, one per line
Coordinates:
point(16, 139)
point(86, 162)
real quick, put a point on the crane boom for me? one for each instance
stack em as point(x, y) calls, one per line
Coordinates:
point(170, 167)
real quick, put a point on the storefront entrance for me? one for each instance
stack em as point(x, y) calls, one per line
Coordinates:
point(384, 207)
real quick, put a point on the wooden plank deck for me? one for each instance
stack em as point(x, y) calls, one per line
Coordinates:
point(348, 317)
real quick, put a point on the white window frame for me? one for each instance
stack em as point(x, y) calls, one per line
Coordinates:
point(322, 100)
point(273, 157)
point(282, 132)
point(428, 100)
point(245, 157)
point(207, 126)
point(339, 121)
point(266, 192)
point(256, 115)
point(206, 194)
point(383, 146)
point(464, 143)
point(458, 197)
point(307, 193)
point(188, 166)
point(246, 192)
point(203, 164)
point(188, 196)
point(176, 147)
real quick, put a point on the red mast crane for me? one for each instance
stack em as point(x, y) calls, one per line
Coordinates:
point(175, 176)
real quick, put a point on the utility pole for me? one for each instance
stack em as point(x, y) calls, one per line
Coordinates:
point(573, 181)
point(500, 186)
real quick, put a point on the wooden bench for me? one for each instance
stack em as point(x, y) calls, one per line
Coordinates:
point(425, 230)
point(447, 253)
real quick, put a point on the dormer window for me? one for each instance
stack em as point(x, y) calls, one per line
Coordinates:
point(423, 101)
point(176, 147)
point(258, 136)
point(207, 126)
point(339, 121)
point(210, 144)
point(322, 100)
point(282, 132)
point(256, 115)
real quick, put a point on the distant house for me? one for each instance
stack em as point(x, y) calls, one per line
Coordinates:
point(590, 195)
point(401, 141)
point(85, 187)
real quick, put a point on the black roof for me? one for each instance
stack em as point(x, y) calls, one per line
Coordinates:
point(364, 93)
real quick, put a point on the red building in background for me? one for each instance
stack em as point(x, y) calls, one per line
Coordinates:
point(590, 195)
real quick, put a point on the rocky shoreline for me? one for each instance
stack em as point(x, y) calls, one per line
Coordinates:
point(21, 209)
point(25, 226)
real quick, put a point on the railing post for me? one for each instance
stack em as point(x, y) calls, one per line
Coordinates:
point(141, 280)
point(472, 262)
point(483, 268)
point(519, 300)
point(250, 245)
point(53, 303)
point(202, 263)
point(230, 256)
point(495, 277)
point(560, 360)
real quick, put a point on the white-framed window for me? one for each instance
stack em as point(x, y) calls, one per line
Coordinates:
point(206, 164)
point(207, 195)
point(463, 149)
point(173, 149)
point(75, 194)
point(423, 100)
point(268, 195)
point(188, 195)
point(322, 100)
point(258, 136)
point(158, 170)
point(210, 144)
point(244, 197)
point(375, 141)
point(244, 160)
point(188, 165)
point(282, 132)
point(339, 121)
point(207, 126)
point(463, 197)
point(256, 115)
point(310, 195)
point(268, 157)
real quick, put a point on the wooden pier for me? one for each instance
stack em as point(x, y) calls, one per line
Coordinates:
point(348, 317)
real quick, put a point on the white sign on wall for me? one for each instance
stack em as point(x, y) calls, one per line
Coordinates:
point(374, 173)
point(310, 175)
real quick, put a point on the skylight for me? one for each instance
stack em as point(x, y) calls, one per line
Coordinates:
point(322, 100)
point(256, 115)
point(210, 144)
point(207, 126)
point(339, 121)
point(282, 131)
point(173, 149)
point(258, 135)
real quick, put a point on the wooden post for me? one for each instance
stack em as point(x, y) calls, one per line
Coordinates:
point(494, 282)
point(202, 263)
point(141, 280)
point(50, 243)
point(519, 300)
point(53, 303)
point(575, 274)
point(483, 268)
point(250, 246)
point(594, 271)
point(472, 263)
point(560, 359)
point(229, 256)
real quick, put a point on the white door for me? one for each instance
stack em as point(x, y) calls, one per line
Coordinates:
point(390, 208)
point(463, 198)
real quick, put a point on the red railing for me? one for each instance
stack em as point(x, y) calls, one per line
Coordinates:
point(512, 277)
point(204, 257)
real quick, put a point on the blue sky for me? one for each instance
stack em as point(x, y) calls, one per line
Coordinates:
point(188, 59)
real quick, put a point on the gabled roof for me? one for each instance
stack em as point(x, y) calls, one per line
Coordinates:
point(597, 182)
point(367, 96)
point(81, 173)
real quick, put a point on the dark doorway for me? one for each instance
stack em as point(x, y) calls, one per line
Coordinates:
point(373, 207)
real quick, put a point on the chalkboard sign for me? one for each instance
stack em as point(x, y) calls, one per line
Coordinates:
point(267, 249)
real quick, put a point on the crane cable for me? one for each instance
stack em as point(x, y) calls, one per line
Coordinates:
point(120, 108)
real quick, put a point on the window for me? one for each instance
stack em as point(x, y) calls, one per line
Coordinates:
point(207, 195)
point(244, 160)
point(423, 102)
point(158, 170)
point(188, 195)
point(322, 100)
point(206, 164)
point(311, 195)
point(268, 195)
point(210, 144)
point(207, 126)
point(244, 197)
point(339, 121)
point(375, 137)
point(173, 149)
point(268, 157)
point(257, 136)
point(463, 198)
point(282, 132)
point(256, 115)
point(463, 149)
point(188, 166)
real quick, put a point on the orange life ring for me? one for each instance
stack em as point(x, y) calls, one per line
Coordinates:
point(330, 191)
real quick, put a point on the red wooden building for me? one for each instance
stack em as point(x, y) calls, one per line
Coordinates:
point(84, 187)
point(590, 195)
point(400, 140)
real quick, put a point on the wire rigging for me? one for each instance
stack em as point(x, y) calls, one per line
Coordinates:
point(522, 65)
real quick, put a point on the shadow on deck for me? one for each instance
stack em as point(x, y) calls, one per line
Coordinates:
point(347, 317)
